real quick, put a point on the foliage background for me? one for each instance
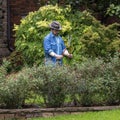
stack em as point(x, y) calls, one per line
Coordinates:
point(93, 82)
point(84, 36)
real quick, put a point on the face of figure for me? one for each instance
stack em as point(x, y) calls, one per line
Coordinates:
point(55, 32)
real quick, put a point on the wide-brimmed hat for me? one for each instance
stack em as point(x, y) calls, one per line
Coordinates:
point(55, 25)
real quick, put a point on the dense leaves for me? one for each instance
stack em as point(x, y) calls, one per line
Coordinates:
point(84, 36)
point(32, 30)
point(113, 10)
point(93, 82)
point(96, 6)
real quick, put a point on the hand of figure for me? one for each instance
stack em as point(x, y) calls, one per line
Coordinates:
point(70, 56)
point(58, 57)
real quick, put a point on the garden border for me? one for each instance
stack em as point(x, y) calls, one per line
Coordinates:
point(48, 112)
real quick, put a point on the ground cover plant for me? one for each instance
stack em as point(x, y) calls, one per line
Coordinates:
point(103, 115)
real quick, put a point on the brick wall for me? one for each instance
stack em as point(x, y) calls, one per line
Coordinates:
point(19, 9)
point(11, 12)
point(3, 30)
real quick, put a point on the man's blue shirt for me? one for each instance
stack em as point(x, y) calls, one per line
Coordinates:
point(54, 44)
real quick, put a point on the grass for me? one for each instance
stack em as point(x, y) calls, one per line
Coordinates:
point(102, 115)
point(35, 99)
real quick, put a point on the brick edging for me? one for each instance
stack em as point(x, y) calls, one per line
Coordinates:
point(47, 112)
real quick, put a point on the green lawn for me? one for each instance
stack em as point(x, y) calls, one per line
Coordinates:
point(102, 115)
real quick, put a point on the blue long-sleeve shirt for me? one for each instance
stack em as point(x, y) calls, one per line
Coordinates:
point(54, 44)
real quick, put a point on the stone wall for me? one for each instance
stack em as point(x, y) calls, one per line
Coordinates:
point(3, 30)
point(6, 114)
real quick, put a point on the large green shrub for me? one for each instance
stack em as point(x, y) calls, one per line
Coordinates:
point(14, 89)
point(53, 84)
point(82, 33)
point(98, 82)
point(32, 30)
point(94, 82)
point(113, 10)
point(100, 43)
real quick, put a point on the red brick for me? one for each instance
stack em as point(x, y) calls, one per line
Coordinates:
point(8, 116)
point(2, 116)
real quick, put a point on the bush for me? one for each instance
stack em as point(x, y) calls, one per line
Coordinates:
point(83, 35)
point(3, 73)
point(93, 82)
point(4, 68)
point(32, 30)
point(14, 89)
point(113, 10)
point(53, 84)
point(95, 78)
point(16, 61)
point(13, 63)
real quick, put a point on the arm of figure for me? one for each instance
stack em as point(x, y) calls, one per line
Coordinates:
point(47, 46)
point(66, 53)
